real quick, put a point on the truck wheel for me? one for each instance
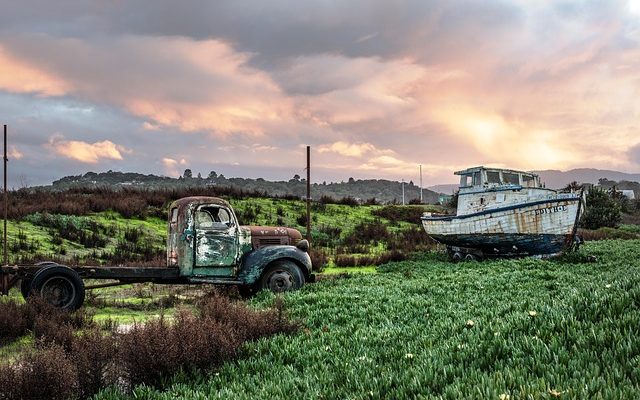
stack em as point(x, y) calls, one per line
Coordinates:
point(25, 283)
point(60, 286)
point(25, 287)
point(282, 276)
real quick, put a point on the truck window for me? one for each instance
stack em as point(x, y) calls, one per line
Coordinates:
point(212, 217)
point(174, 215)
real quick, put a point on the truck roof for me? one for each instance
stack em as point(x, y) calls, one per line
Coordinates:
point(199, 200)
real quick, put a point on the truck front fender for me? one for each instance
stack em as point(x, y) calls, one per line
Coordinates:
point(254, 263)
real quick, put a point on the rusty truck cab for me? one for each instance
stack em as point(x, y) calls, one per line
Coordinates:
point(204, 237)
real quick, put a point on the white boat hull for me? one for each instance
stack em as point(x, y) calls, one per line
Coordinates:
point(534, 228)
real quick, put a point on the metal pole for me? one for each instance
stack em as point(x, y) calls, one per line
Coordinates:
point(5, 276)
point(403, 192)
point(309, 193)
point(421, 184)
point(6, 262)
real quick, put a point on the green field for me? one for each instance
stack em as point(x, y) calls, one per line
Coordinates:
point(426, 328)
point(420, 328)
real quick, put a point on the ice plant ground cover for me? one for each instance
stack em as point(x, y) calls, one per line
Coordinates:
point(426, 328)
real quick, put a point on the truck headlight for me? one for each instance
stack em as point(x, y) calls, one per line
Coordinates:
point(303, 245)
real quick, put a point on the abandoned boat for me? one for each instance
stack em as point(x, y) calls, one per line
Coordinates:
point(506, 213)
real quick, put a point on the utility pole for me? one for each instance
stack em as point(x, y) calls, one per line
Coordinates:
point(3, 275)
point(403, 192)
point(421, 184)
point(309, 193)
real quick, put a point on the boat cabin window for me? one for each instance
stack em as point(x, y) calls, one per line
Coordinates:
point(493, 177)
point(477, 179)
point(528, 181)
point(465, 180)
point(472, 179)
point(511, 178)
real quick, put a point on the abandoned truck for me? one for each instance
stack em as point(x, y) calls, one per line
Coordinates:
point(205, 244)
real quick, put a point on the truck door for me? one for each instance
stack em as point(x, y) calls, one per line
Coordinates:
point(216, 246)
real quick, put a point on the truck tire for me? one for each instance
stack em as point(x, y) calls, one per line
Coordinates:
point(60, 286)
point(25, 283)
point(25, 287)
point(282, 276)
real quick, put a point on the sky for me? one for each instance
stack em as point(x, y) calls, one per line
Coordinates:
point(376, 88)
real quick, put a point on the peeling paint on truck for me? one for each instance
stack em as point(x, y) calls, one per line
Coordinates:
point(206, 241)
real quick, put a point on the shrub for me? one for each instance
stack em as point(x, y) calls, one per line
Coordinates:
point(44, 374)
point(348, 201)
point(344, 260)
point(366, 233)
point(601, 211)
point(411, 240)
point(396, 214)
point(13, 321)
point(152, 352)
point(318, 259)
point(40, 317)
point(93, 354)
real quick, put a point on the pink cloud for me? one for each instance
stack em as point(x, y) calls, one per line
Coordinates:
point(90, 153)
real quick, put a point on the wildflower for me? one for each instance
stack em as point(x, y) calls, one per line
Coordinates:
point(408, 355)
point(504, 396)
point(608, 285)
point(555, 393)
point(496, 333)
point(532, 313)
point(470, 323)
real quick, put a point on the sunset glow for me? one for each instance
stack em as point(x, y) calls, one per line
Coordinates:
point(525, 85)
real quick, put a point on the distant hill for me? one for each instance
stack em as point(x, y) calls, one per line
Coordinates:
point(559, 179)
point(555, 179)
point(382, 190)
point(447, 188)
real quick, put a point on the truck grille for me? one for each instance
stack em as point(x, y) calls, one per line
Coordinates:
point(271, 241)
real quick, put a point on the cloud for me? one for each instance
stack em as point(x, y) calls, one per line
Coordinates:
point(19, 77)
point(90, 153)
point(14, 153)
point(348, 149)
point(634, 154)
point(171, 166)
point(173, 82)
point(444, 84)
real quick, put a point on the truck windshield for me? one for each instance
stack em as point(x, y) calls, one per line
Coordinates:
point(211, 217)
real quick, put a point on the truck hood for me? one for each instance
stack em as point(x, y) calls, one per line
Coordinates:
point(273, 235)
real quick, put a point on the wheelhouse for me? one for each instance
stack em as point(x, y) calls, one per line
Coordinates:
point(481, 177)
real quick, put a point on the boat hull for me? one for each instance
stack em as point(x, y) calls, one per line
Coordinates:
point(543, 227)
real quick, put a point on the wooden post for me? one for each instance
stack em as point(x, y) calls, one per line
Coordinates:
point(309, 193)
point(5, 276)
